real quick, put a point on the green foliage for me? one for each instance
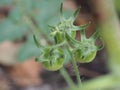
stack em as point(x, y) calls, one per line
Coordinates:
point(117, 5)
point(52, 58)
point(15, 15)
point(12, 31)
point(28, 50)
point(14, 27)
point(66, 47)
point(84, 51)
point(5, 2)
point(109, 32)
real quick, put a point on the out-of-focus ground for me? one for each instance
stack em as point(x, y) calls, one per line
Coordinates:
point(29, 75)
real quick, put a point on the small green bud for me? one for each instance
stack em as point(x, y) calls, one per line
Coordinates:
point(58, 36)
point(86, 52)
point(53, 59)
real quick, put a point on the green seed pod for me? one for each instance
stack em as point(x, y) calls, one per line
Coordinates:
point(53, 66)
point(59, 37)
point(53, 59)
point(86, 52)
point(57, 34)
point(84, 58)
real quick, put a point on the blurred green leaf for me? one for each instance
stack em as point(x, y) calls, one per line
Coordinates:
point(11, 31)
point(28, 50)
point(46, 14)
point(5, 2)
point(117, 5)
point(42, 13)
point(15, 15)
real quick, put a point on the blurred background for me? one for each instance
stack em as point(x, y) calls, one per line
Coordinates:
point(19, 18)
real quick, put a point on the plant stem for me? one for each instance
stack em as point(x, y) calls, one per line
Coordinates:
point(82, 33)
point(66, 77)
point(74, 66)
point(33, 28)
point(28, 20)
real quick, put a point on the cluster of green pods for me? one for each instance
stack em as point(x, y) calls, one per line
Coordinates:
point(84, 51)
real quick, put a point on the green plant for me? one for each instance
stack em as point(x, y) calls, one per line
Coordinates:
point(33, 16)
point(109, 25)
point(83, 51)
point(22, 19)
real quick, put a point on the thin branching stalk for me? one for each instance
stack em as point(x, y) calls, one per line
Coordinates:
point(74, 65)
point(67, 77)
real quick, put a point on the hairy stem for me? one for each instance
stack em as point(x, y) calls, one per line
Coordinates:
point(74, 65)
point(66, 77)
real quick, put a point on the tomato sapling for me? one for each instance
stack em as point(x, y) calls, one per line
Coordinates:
point(83, 51)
